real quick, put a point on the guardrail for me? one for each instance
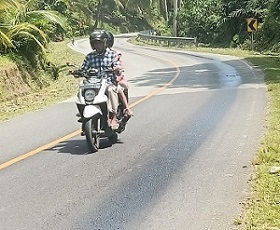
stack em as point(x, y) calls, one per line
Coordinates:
point(164, 40)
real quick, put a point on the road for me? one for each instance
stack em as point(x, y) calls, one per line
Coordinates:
point(183, 162)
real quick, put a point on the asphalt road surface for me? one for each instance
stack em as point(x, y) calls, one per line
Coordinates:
point(182, 163)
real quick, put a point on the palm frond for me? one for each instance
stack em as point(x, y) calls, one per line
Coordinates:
point(5, 40)
point(34, 38)
point(26, 28)
point(237, 13)
point(8, 4)
point(119, 4)
point(51, 16)
point(30, 5)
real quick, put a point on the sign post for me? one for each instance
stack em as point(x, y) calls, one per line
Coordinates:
point(252, 26)
point(175, 18)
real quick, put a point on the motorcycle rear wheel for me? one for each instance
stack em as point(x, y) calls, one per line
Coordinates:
point(92, 134)
point(113, 138)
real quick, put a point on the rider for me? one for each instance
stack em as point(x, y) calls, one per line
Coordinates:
point(120, 77)
point(102, 57)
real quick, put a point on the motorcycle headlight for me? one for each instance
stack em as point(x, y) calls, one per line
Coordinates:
point(89, 95)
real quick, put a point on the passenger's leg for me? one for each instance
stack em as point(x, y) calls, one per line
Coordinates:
point(113, 102)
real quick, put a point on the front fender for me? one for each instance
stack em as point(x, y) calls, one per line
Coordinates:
point(91, 110)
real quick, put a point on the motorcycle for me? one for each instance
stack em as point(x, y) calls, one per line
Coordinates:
point(92, 107)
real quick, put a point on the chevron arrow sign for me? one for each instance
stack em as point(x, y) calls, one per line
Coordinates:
point(252, 24)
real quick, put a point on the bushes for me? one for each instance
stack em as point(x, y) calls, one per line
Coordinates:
point(223, 23)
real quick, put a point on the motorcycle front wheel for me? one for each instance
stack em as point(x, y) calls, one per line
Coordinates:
point(92, 134)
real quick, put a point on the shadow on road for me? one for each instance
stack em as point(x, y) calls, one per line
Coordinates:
point(78, 147)
point(211, 75)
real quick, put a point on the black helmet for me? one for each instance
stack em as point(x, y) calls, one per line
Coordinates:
point(99, 35)
point(111, 39)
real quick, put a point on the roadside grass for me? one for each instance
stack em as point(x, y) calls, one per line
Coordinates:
point(262, 206)
point(263, 212)
point(53, 91)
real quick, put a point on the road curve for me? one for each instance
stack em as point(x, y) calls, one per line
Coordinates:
point(182, 163)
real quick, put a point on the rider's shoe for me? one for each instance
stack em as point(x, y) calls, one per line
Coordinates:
point(121, 126)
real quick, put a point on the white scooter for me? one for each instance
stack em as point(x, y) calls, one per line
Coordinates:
point(92, 106)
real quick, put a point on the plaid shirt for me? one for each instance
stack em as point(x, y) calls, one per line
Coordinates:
point(100, 62)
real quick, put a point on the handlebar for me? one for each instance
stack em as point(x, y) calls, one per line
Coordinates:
point(90, 73)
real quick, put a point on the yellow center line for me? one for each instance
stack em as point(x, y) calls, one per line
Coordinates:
point(40, 149)
point(157, 91)
point(71, 135)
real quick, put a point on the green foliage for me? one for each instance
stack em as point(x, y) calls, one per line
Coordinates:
point(200, 19)
point(269, 37)
point(24, 31)
point(263, 211)
point(43, 90)
point(218, 22)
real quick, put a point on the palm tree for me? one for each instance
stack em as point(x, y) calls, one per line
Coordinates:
point(20, 22)
point(5, 41)
point(4, 4)
point(21, 33)
point(105, 7)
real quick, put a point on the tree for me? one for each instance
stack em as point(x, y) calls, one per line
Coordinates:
point(21, 30)
point(200, 19)
point(5, 40)
point(223, 22)
point(269, 35)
